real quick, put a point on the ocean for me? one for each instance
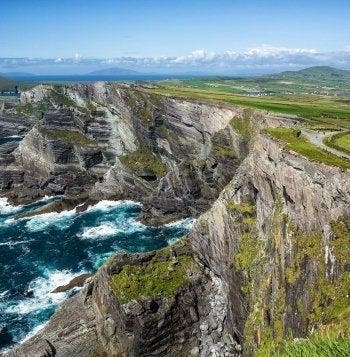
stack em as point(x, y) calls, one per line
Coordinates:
point(94, 78)
point(44, 251)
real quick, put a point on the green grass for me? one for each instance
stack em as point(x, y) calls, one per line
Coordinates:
point(302, 146)
point(162, 276)
point(320, 347)
point(62, 99)
point(69, 136)
point(314, 109)
point(340, 141)
point(142, 159)
point(35, 109)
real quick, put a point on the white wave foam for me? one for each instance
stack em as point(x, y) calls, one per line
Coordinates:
point(3, 294)
point(42, 288)
point(6, 207)
point(11, 242)
point(185, 223)
point(47, 198)
point(107, 205)
point(13, 137)
point(41, 221)
point(103, 230)
point(35, 330)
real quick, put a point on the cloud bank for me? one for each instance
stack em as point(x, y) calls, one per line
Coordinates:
point(259, 59)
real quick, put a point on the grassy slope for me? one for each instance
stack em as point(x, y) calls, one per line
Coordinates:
point(340, 141)
point(316, 110)
point(302, 146)
point(316, 80)
point(9, 84)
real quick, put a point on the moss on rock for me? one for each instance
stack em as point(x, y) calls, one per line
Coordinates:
point(69, 136)
point(163, 275)
point(143, 158)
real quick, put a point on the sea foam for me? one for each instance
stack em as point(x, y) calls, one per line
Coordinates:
point(42, 288)
point(107, 205)
point(59, 219)
point(103, 230)
point(6, 207)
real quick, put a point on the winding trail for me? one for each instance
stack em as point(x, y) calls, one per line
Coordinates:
point(316, 137)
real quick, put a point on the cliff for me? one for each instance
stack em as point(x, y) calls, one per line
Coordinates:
point(267, 260)
point(106, 141)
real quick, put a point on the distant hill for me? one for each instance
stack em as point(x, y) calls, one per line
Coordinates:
point(116, 71)
point(6, 84)
point(313, 74)
point(320, 80)
point(16, 74)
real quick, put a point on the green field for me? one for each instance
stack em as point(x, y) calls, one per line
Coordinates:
point(318, 97)
point(313, 110)
point(296, 142)
point(316, 80)
point(340, 141)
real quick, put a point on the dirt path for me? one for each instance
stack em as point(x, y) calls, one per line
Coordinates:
point(316, 137)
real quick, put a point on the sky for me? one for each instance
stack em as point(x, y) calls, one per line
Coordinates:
point(196, 35)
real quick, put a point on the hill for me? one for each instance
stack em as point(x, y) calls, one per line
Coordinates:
point(6, 84)
point(321, 80)
point(316, 74)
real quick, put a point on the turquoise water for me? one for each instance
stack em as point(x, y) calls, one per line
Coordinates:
point(40, 253)
point(7, 139)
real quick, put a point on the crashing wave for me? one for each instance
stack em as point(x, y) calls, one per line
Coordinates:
point(6, 207)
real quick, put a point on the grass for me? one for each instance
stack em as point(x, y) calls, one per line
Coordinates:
point(315, 109)
point(143, 158)
point(319, 347)
point(62, 99)
point(69, 136)
point(35, 109)
point(298, 143)
point(162, 276)
point(340, 141)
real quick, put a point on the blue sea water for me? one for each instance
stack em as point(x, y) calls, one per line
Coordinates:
point(39, 253)
point(80, 78)
point(7, 139)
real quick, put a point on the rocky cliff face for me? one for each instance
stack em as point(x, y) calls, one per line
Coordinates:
point(267, 260)
point(276, 237)
point(120, 142)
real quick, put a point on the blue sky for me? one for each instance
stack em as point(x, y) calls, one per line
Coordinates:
point(103, 29)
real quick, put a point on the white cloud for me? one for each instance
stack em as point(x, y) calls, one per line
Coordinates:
point(263, 57)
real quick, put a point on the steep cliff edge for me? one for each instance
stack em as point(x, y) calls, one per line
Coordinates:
point(279, 239)
point(106, 141)
point(267, 262)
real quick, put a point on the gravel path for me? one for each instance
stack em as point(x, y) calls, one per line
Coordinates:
point(316, 137)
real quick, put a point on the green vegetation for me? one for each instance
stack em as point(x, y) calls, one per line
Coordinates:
point(315, 347)
point(340, 141)
point(242, 208)
point(296, 142)
point(329, 307)
point(325, 309)
point(163, 275)
point(69, 136)
point(9, 84)
point(222, 145)
point(35, 109)
point(315, 80)
point(61, 99)
point(314, 109)
point(143, 158)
